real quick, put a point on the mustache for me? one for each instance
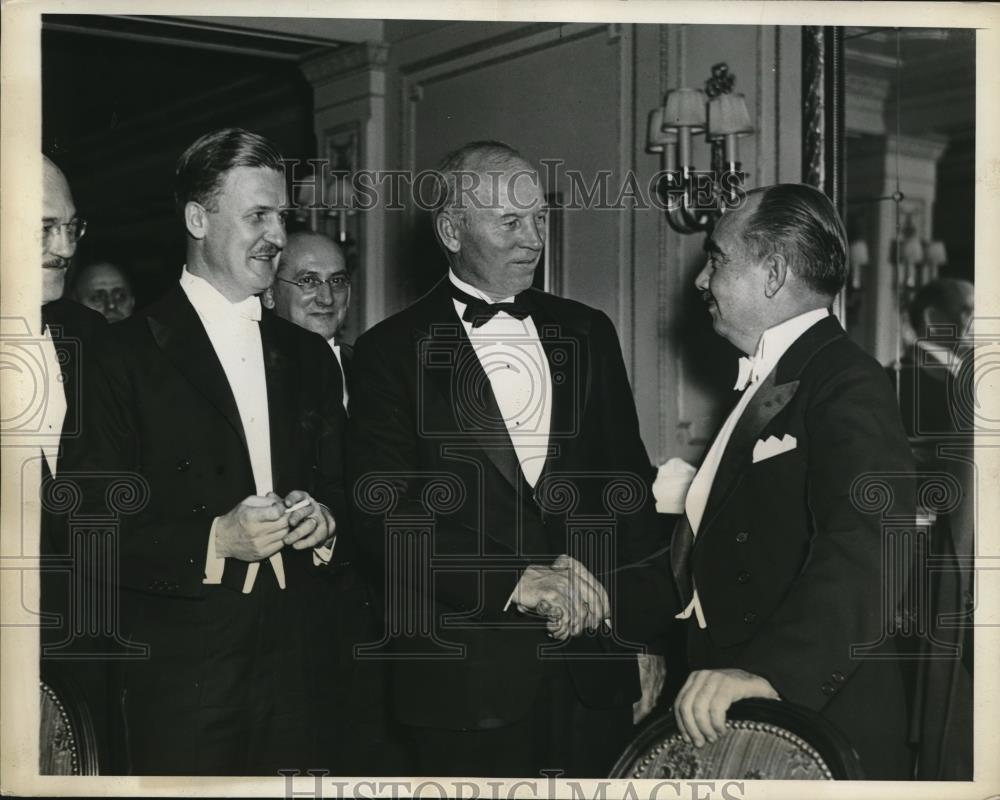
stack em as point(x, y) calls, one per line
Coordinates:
point(57, 262)
point(707, 297)
point(269, 251)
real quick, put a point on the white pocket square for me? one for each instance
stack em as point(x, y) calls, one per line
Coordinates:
point(773, 446)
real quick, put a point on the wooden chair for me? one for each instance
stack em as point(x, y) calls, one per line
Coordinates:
point(66, 743)
point(764, 740)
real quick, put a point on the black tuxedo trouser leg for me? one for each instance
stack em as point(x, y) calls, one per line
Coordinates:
point(226, 690)
point(560, 733)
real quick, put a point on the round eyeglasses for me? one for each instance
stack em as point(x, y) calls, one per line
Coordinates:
point(74, 230)
point(309, 284)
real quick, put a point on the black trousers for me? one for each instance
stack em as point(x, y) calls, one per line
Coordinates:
point(560, 734)
point(228, 686)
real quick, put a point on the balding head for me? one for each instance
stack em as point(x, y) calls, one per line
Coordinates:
point(312, 287)
point(59, 231)
point(492, 218)
point(104, 288)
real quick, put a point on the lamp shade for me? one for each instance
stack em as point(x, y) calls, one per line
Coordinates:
point(859, 253)
point(658, 139)
point(913, 249)
point(728, 115)
point(685, 108)
point(936, 254)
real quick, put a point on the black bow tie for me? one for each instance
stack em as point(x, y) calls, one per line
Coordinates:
point(479, 312)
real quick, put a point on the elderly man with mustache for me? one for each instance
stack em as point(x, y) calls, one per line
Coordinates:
point(234, 421)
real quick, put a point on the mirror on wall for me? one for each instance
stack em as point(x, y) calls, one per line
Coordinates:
point(909, 174)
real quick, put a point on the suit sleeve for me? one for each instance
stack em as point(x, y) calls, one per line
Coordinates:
point(644, 594)
point(836, 602)
point(384, 443)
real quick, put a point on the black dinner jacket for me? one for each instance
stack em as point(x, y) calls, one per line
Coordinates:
point(788, 560)
point(74, 329)
point(425, 429)
point(158, 404)
point(76, 332)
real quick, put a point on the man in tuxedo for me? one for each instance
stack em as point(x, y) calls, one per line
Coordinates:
point(65, 325)
point(69, 334)
point(778, 560)
point(502, 499)
point(936, 396)
point(233, 422)
point(312, 288)
point(940, 315)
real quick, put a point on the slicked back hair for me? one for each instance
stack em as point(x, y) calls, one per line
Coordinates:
point(201, 169)
point(471, 158)
point(800, 223)
point(949, 296)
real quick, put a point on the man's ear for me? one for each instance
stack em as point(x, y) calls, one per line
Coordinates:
point(267, 298)
point(777, 272)
point(447, 231)
point(195, 219)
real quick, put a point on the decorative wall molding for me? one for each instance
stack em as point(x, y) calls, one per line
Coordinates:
point(345, 60)
point(469, 58)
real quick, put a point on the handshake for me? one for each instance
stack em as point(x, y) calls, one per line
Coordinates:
point(566, 594)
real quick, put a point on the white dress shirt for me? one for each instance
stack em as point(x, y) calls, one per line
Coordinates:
point(54, 408)
point(332, 341)
point(234, 331)
point(515, 364)
point(771, 347)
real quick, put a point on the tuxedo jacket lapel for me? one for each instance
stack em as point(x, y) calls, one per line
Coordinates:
point(777, 390)
point(765, 405)
point(178, 331)
point(449, 361)
point(568, 354)
point(466, 386)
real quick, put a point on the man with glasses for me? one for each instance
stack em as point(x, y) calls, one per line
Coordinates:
point(234, 421)
point(67, 330)
point(313, 289)
point(104, 288)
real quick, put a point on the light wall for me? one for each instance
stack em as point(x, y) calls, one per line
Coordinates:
point(579, 93)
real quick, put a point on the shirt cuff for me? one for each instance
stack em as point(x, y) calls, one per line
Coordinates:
point(214, 565)
point(323, 554)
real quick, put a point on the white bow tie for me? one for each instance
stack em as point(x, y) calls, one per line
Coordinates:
point(248, 309)
point(219, 309)
point(749, 373)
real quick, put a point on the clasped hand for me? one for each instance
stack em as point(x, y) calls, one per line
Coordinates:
point(566, 594)
point(259, 526)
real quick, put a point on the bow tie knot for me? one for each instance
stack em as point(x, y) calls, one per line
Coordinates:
point(248, 309)
point(479, 312)
point(748, 373)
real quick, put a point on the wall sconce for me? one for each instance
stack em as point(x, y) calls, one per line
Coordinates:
point(918, 262)
point(330, 209)
point(694, 199)
point(858, 259)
